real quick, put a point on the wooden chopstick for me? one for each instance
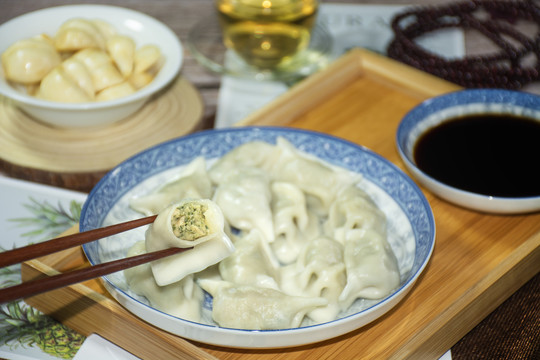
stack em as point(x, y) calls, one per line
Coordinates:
point(38, 286)
point(18, 255)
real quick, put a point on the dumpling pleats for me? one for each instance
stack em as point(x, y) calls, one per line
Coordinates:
point(372, 270)
point(255, 308)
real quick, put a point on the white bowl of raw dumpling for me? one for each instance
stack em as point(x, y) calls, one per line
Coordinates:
point(141, 28)
point(192, 165)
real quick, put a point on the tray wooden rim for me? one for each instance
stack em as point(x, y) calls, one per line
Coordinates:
point(472, 306)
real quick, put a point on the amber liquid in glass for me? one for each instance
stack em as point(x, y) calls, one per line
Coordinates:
point(266, 33)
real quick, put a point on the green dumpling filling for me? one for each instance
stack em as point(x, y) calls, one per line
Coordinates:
point(188, 221)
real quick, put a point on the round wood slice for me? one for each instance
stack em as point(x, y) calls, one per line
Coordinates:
point(77, 158)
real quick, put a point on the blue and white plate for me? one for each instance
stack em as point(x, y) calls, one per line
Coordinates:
point(411, 226)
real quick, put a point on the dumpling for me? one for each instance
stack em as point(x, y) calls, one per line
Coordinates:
point(294, 224)
point(59, 85)
point(105, 28)
point(251, 154)
point(193, 183)
point(182, 299)
point(122, 51)
point(189, 223)
point(80, 74)
point(28, 61)
point(99, 64)
point(251, 263)
point(92, 58)
point(244, 197)
point(147, 59)
point(320, 182)
point(254, 308)
point(353, 209)
point(319, 272)
point(115, 91)
point(372, 269)
point(76, 34)
point(140, 80)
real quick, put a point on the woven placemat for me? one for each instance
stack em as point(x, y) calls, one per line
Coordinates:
point(512, 331)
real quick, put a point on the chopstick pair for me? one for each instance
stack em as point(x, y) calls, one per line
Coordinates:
point(38, 286)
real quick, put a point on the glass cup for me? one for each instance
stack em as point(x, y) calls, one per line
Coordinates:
point(267, 33)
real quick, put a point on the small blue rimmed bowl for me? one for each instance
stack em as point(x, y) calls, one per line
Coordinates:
point(467, 104)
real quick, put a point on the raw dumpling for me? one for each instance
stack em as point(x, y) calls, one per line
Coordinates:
point(189, 223)
point(372, 269)
point(244, 197)
point(294, 224)
point(353, 209)
point(319, 271)
point(254, 308)
point(122, 51)
point(99, 64)
point(76, 34)
point(140, 80)
point(115, 91)
point(182, 299)
point(59, 85)
point(78, 72)
point(193, 183)
point(28, 61)
point(251, 263)
point(147, 59)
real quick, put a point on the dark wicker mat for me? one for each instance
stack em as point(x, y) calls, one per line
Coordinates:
point(512, 331)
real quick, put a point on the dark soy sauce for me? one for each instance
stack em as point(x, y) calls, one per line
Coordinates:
point(494, 155)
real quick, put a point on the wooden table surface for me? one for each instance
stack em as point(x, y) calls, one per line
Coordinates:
point(182, 15)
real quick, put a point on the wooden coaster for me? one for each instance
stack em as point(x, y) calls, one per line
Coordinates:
point(78, 158)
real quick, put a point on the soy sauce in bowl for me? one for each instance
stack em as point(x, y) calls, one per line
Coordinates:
point(488, 154)
point(476, 148)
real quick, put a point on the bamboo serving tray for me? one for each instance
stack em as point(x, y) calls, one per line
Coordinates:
point(479, 260)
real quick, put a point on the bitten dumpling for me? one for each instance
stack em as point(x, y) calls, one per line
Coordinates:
point(254, 308)
point(189, 223)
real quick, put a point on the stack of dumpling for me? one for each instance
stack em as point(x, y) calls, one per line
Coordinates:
point(308, 241)
point(86, 60)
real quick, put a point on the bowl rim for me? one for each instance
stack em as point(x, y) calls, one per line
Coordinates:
point(281, 335)
point(455, 99)
point(175, 63)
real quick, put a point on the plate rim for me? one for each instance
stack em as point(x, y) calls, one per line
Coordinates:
point(281, 336)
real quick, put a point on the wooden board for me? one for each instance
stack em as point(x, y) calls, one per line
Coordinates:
point(478, 261)
point(77, 158)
